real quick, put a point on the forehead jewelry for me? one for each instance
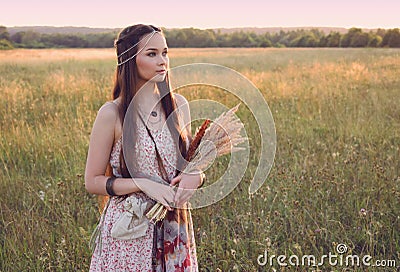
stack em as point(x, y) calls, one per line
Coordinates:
point(130, 48)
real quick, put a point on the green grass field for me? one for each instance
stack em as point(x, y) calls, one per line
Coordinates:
point(335, 177)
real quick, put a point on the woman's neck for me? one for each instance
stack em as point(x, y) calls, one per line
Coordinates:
point(148, 96)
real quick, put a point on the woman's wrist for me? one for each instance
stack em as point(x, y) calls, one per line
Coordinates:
point(117, 186)
point(110, 186)
point(201, 175)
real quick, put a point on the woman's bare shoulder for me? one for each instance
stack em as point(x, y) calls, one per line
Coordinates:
point(109, 111)
point(180, 100)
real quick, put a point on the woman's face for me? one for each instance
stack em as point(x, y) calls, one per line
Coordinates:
point(152, 61)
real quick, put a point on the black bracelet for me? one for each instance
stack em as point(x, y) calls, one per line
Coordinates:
point(109, 186)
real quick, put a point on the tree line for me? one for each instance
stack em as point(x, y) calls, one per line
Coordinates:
point(192, 37)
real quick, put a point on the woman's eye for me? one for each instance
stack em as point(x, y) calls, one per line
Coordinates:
point(152, 54)
point(165, 53)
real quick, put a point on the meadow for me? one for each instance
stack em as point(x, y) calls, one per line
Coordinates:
point(335, 178)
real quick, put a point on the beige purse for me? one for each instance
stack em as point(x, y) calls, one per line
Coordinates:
point(132, 223)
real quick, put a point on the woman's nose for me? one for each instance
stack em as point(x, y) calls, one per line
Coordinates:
point(162, 60)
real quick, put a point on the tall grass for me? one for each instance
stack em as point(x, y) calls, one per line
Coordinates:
point(335, 178)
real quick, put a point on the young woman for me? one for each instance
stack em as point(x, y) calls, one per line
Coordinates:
point(141, 137)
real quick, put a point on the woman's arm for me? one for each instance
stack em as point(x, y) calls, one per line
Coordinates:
point(101, 143)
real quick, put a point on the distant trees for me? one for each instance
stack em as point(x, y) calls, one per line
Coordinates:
point(391, 38)
point(192, 37)
point(4, 35)
point(333, 39)
point(5, 42)
point(28, 39)
point(355, 37)
point(32, 39)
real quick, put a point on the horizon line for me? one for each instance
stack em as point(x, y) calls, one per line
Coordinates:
point(203, 28)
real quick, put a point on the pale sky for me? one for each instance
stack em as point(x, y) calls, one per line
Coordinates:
point(202, 13)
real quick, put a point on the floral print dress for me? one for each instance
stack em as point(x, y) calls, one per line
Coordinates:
point(173, 248)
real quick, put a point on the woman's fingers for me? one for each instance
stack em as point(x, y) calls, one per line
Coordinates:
point(178, 195)
point(162, 193)
point(166, 204)
point(176, 180)
point(169, 198)
point(183, 196)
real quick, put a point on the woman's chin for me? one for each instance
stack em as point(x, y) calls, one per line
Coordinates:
point(158, 78)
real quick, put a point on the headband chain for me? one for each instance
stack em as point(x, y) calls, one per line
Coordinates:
point(130, 48)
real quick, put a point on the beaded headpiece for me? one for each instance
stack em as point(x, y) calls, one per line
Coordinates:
point(151, 34)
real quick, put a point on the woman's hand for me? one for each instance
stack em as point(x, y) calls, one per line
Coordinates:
point(162, 193)
point(188, 183)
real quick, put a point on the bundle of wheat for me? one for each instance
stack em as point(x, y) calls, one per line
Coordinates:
point(210, 142)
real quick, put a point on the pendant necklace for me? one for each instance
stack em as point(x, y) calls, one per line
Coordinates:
point(154, 117)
